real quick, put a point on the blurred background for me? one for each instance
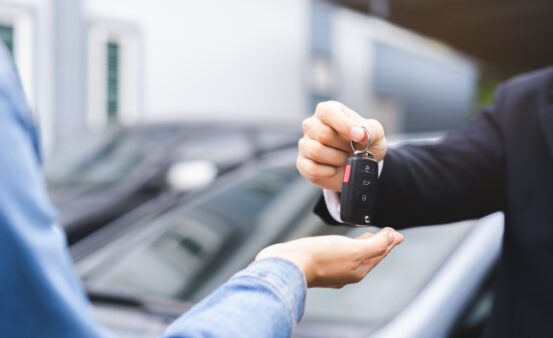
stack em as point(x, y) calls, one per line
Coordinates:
point(87, 64)
point(170, 129)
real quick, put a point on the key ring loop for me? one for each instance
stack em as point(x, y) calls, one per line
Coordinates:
point(354, 144)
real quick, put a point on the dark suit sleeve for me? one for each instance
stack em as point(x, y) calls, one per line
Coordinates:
point(461, 177)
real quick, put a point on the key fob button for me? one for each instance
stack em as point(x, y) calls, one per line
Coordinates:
point(365, 184)
point(367, 168)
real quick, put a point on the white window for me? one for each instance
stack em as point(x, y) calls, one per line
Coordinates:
point(113, 74)
point(113, 80)
point(6, 34)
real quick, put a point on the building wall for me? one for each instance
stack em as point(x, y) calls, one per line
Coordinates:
point(408, 82)
point(214, 58)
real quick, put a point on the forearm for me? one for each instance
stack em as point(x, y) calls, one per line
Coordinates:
point(425, 185)
point(264, 300)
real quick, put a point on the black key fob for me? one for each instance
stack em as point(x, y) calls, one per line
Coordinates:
point(359, 189)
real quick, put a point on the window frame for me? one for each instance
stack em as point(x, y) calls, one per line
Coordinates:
point(101, 33)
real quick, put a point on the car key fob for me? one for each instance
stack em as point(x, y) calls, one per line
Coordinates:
point(359, 188)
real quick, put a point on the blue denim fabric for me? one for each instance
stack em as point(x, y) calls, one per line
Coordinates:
point(40, 295)
point(264, 300)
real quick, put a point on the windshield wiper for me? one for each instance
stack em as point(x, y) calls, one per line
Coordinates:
point(160, 307)
point(114, 298)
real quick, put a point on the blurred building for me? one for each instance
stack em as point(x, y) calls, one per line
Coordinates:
point(88, 63)
point(408, 82)
point(203, 59)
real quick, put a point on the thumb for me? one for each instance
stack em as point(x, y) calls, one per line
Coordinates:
point(378, 244)
point(338, 117)
point(374, 128)
point(358, 134)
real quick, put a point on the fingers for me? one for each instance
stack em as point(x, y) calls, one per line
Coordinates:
point(398, 238)
point(380, 244)
point(326, 145)
point(317, 130)
point(334, 115)
point(347, 123)
point(322, 165)
point(376, 132)
point(376, 245)
point(319, 152)
point(314, 171)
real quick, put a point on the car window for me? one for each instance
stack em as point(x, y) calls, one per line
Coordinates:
point(176, 252)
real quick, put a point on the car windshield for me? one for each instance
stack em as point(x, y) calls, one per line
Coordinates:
point(98, 162)
point(176, 252)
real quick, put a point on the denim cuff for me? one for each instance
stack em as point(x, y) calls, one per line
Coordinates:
point(284, 278)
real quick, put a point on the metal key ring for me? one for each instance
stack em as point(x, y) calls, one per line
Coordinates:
point(354, 144)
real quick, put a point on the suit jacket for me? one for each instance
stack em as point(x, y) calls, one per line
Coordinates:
point(502, 161)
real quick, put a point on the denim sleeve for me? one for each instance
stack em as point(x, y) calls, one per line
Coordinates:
point(265, 300)
point(40, 295)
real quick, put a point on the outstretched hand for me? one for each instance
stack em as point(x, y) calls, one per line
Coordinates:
point(335, 261)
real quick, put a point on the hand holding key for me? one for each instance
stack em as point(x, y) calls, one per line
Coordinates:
point(326, 145)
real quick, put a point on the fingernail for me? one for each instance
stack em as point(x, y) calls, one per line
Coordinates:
point(357, 133)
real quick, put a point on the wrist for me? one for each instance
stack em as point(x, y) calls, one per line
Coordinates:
point(303, 262)
point(283, 277)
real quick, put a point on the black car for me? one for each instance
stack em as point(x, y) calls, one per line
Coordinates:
point(145, 269)
point(95, 178)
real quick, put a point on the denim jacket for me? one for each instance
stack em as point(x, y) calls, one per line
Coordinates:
point(40, 295)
